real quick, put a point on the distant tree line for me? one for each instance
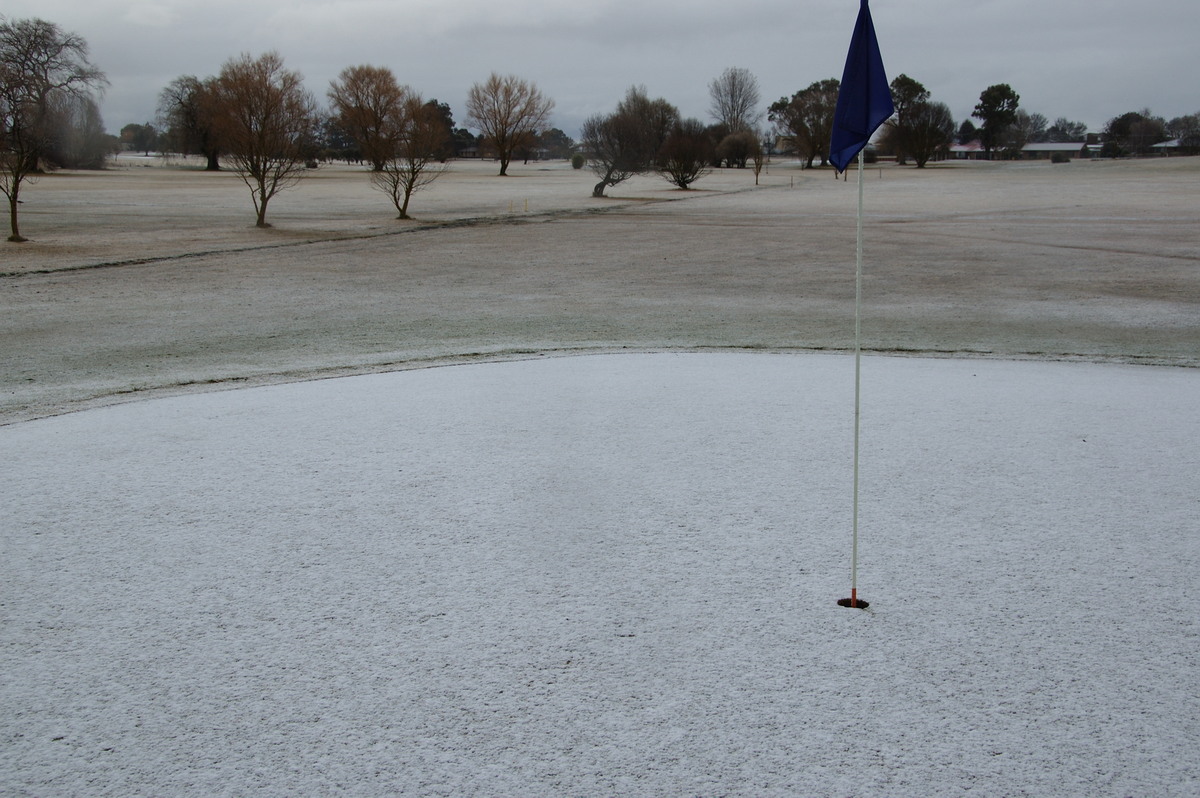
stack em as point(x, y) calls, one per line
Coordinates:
point(922, 129)
point(256, 118)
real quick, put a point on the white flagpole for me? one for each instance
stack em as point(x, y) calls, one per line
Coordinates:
point(857, 382)
point(860, 111)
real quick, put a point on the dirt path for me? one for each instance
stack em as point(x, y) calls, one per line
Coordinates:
point(1099, 261)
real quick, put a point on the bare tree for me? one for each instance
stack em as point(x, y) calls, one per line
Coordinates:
point(759, 154)
point(686, 155)
point(41, 66)
point(187, 112)
point(735, 98)
point(737, 149)
point(417, 137)
point(78, 140)
point(626, 142)
point(266, 120)
point(612, 143)
point(1037, 126)
point(930, 130)
point(365, 100)
point(508, 111)
point(656, 118)
point(1064, 130)
point(1026, 128)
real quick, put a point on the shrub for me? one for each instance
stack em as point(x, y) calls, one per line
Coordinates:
point(578, 160)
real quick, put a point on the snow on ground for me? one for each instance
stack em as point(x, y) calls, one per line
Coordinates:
point(611, 575)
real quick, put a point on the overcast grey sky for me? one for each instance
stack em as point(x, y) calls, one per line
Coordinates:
point(1086, 61)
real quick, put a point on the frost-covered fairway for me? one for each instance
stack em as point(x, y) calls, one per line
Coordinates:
point(611, 575)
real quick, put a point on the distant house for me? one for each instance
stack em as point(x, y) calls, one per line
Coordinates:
point(1172, 147)
point(971, 151)
point(974, 151)
point(1048, 149)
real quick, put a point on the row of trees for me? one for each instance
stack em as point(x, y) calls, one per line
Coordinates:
point(333, 142)
point(185, 109)
point(649, 135)
point(1130, 134)
point(920, 129)
point(257, 117)
point(1136, 133)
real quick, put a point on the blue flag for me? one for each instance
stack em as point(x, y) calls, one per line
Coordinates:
point(864, 99)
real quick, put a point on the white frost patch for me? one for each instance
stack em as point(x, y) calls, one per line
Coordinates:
point(610, 575)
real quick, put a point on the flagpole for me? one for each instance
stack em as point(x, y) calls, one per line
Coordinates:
point(858, 250)
point(864, 103)
point(857, 383)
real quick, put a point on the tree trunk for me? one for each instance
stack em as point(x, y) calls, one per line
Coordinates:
point(214, 164)
point(261, 207)
point(12, 216)
point(604, 183)
point(261, 198)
